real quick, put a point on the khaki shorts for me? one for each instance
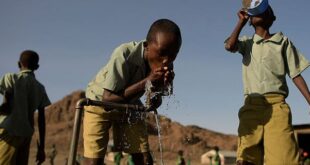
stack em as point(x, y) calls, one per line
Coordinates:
point(266, 132)
point(130, 138)
point(13, 149)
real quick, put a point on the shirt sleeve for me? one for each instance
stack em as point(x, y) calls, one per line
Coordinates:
point(117, 72)
point(295, 61)
point(242, 44)
point(45, 100)
point(6, 83)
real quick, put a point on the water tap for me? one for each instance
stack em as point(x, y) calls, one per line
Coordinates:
point(154, 95)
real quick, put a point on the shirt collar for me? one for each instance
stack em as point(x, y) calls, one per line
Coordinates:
point(28, 71)
point(276, 38)
point(137, 57)
point(139, 51)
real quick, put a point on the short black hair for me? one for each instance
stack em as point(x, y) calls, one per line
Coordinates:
point(270, 12)
point(164, 25)
point(29, 59)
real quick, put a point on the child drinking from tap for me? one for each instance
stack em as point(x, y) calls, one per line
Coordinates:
point(123, 80)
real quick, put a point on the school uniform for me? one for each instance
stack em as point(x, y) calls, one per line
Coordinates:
point(265, 128)
point(125, 67)
point(16, 126)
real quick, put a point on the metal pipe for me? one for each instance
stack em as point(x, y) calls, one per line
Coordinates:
point(76, 129)
point(110, 105)
point(78, 117)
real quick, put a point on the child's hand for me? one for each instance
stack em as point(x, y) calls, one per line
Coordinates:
point(169, 75)
point(243, 16)
point(155, 102)
point(40, 158)
point(157, 76)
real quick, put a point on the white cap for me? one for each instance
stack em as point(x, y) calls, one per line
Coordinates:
point(255, 7)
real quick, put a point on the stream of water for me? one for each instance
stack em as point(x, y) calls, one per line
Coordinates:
point(159, 139)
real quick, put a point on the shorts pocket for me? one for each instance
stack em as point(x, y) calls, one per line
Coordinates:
point(284, 113)
point(285, 108)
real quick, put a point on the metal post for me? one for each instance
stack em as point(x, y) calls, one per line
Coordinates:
point(76, 130)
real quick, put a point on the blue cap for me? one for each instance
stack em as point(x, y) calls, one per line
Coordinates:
point(255, 7)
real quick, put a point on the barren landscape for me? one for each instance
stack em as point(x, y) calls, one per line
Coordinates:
point(194, 140)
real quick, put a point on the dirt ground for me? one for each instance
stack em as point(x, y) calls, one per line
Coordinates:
point(61, 160)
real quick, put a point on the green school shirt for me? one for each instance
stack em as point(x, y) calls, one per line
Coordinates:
point(125, 67)
point(266, 63)
point(28, 94)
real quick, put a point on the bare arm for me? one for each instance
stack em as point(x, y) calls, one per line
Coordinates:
point(231, 42)
point(124, 96)
point(302, 86)
point(41, 144)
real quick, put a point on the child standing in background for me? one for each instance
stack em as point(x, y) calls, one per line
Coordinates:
point(265, 121)
point(23, 94)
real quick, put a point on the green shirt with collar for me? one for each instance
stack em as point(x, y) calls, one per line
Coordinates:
point(266, 63)
point(27, 95)
point(125, 67)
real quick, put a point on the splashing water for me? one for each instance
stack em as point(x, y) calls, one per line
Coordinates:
point(164, 91)
point(167, 90)
point(159, 139)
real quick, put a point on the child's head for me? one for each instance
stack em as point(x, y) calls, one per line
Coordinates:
point(264, 20)
point(216, 148)
point(180, 152)
point(163, 42)
point(29, 60)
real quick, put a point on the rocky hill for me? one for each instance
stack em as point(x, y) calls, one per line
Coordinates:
point(194, 140)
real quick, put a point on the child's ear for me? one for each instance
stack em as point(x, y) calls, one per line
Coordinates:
point(36, 67)
point(19, 65)
point(145, 44)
